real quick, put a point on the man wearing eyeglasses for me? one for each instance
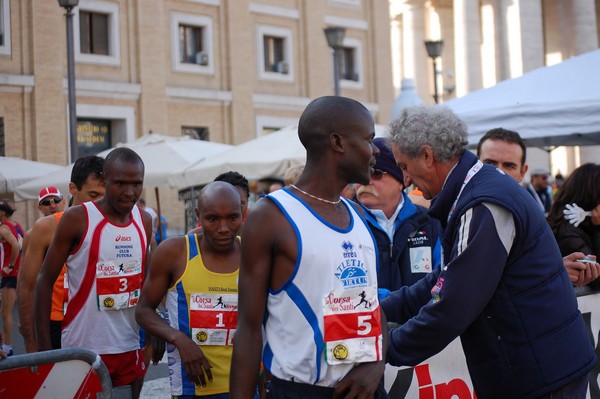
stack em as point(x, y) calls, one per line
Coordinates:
point(50, 201)
point(407, 238)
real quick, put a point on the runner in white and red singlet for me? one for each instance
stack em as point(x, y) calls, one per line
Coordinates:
point(105, 245)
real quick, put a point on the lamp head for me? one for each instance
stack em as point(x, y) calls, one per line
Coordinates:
point(335, 36)
point(68, 3)
point(434, 48)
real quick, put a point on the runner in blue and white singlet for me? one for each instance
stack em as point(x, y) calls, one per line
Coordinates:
point(334, 284)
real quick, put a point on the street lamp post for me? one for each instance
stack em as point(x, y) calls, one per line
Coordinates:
point(68, 5)
point(335, 40)
point(434, 50)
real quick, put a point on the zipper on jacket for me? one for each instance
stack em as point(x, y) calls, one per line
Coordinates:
point(391, 249)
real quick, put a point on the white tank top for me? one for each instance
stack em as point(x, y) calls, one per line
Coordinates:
point(334, 284)
point(105, 277)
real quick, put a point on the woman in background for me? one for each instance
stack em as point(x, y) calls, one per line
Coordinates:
point(582, 187)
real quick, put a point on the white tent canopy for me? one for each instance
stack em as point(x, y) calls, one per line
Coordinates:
point(549, 106)
point(16, 171)
point(268, 155)
point(162, 156)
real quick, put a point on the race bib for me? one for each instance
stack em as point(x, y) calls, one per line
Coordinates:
point(352, 326)
point(118, 284)
point(213, 318)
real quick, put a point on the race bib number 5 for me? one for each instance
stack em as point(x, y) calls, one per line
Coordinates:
point(352, 326)
point(118, 284)
point(213, 318)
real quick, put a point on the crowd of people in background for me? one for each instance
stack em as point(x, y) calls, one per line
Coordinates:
point(414, 230)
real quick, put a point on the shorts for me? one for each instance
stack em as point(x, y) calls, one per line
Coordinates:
point(55, 333)
point(124, 368)
point(281, 389)
point(8, 282)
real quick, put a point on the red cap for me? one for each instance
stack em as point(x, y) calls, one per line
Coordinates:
point(49, 192)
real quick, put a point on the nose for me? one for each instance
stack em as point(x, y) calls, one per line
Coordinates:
point(375, 149)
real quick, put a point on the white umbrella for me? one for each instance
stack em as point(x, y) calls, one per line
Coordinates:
point(16, 171)
point(268, 155)
point(162, 156)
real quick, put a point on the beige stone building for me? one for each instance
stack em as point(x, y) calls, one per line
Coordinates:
point(487, 41)
point(221, 70)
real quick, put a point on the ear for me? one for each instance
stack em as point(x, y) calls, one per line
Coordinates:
point(72, 189)
point(428, 155)
point(337, 142)
point(524, 170)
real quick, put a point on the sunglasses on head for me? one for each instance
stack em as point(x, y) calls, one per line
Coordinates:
point(48, 202)
point(378, 174)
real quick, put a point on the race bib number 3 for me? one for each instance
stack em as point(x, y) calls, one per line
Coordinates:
point(352, 325)
point(118, 284)
point(213, 318)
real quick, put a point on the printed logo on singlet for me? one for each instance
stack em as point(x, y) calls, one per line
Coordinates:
point(122, 238)
point(351, 271)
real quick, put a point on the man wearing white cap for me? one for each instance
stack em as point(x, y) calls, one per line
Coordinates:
point(540, 190)
point(50, 201)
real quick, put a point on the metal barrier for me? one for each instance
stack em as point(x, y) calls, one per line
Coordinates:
point(61, 373)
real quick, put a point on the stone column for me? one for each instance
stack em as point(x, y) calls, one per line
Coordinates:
point(585, 27)
point(467, 38)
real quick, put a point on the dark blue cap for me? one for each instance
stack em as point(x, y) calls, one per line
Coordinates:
point(385, 159)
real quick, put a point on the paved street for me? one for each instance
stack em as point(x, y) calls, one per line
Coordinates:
point(156, 384)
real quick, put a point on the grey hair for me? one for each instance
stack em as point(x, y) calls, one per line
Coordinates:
point(435, 126)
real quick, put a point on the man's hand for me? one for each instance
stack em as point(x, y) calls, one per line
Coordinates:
point(361, 382)
point(581, 273)
point(196, 365)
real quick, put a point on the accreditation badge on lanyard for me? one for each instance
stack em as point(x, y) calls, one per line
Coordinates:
point(419, 247)
point(352, 326)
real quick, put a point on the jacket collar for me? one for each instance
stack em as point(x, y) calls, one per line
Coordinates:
point(442, 203)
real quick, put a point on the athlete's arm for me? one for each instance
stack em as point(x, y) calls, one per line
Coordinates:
point(167, 265)
point(9, 237)
point(40, 238)
point(258, 251)
point(69, 233)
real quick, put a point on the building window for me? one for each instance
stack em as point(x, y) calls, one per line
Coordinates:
point(274, 54)
point(191, 43)
point(196, 133)
point(5, 27)
point(275, 61)
point(96, 28)
point(351, 71)
point(93, 33)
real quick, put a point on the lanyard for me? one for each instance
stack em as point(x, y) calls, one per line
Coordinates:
point(472, 172)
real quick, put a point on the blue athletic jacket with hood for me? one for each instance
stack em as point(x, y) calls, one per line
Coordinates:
point(413, 230)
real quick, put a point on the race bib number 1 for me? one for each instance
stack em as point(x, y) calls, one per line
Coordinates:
point(213, 318)
point(352, 326)
point(118, 284)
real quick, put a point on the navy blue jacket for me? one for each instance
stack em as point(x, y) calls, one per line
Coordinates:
point(414, 229)
point(511, 302)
